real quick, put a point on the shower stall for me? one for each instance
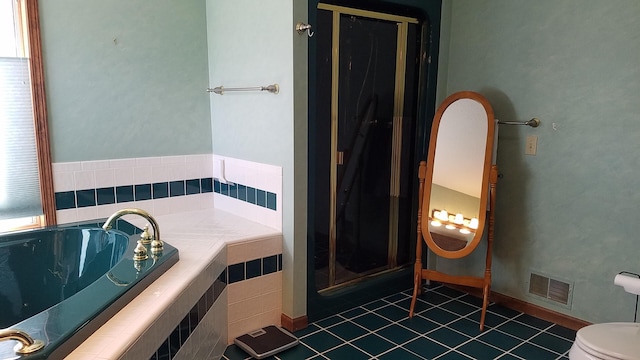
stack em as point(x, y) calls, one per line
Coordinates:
point(366, 132)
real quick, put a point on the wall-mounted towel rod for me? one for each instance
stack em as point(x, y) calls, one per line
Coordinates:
point(535, 122)
point(220, 90)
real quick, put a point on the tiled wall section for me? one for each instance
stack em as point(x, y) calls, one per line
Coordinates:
point(203, 310)
point(237, 180)
point(168, 338)
point(96, 189)
point(254, 285)
point(161, 185)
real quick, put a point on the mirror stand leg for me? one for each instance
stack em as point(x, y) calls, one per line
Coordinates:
point(417, 289)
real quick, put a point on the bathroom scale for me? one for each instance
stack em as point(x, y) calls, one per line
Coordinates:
point(265, 342)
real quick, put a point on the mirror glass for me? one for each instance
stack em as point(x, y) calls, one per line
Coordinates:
point(456, 187)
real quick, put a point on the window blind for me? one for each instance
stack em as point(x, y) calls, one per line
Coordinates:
point(19, 181)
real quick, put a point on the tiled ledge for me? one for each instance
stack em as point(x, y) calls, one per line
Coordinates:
point(200, 236)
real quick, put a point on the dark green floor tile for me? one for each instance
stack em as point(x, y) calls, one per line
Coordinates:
point(490, 320)
point(518, 330)
point(374, 305)
point(397, 334)
point(419, 324)
point(433, 298)
point(297, 352)
point(533, 321)
point(552, 342)
point(350, 314)
point(347, 351)
point(508, 357)
point(459, 307)
point(499, 339)
point(322, 341)
point(318, 357)
point(501, 310)
point(472, 300)
point(454, 355)
point(448, 337)
point(420, 305)
point(452, 293)
point(439, 316)
point(329, 321)
point(347, 330)
point(392, 312)
point(399, 354)
point(468, 327)
point(563, 332)
point(233, 352)
point(371, 321)
point(529, 351)
point(373, 344)
point(396, 297)
point(478, 350)
point(306, 331)
point(426, 347)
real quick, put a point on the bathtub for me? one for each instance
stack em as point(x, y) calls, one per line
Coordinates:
point(60, 284)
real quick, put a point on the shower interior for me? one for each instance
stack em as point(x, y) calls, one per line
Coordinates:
point(364, 140)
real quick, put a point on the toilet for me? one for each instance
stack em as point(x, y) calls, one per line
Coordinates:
point(607, 341)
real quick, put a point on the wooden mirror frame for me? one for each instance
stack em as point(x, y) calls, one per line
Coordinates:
point(489, 184)
point(426, 198)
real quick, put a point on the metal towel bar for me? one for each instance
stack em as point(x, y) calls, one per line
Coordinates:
point(535, 122)
point(220, 90)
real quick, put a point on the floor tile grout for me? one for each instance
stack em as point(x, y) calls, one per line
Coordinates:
point(444, 313)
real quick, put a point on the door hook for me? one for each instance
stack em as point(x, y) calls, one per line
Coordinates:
point(302, 27)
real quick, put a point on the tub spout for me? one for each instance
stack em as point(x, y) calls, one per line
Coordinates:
point(26, 344)
point(156, 243)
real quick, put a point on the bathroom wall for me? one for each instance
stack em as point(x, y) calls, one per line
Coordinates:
point(570, 211)
point(126, 79)
point(126, 84)
point(254, 44)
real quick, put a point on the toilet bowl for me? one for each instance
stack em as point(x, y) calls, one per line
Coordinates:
point(607, 341)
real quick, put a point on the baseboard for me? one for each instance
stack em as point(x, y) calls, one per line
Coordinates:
point(528, 308)
point(296, 324)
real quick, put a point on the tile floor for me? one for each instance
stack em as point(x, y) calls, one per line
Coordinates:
point(446, 326)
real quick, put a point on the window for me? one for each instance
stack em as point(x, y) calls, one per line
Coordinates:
point(26, 187)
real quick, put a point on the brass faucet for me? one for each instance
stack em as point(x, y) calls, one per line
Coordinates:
point(156, 243)
point(26, 345)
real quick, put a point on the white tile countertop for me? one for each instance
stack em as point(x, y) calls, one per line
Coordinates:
point(199, 236)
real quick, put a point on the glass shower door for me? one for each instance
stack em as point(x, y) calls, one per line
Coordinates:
point(362, 73)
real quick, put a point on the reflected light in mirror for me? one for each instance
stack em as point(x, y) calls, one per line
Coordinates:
point(454, 222)
point(459, 219)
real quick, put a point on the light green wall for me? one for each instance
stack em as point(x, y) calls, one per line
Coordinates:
point(570, 211)
point(254, 44)
point(126, 78)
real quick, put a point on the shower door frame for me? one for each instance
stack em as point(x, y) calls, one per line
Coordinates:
point(402, 23)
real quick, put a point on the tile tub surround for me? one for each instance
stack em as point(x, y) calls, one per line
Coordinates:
point(87, 190)
point(142, 326)
point(254, 285)
point(246, 179)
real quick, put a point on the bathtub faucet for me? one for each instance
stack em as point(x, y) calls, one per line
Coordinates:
point(26, 345)
point(156, 243)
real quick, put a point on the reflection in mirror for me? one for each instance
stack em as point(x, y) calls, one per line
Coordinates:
point(458, 168)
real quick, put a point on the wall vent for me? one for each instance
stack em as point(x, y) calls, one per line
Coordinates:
point(555, 290)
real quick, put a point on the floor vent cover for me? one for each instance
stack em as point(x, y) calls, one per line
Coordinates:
point(549, 288)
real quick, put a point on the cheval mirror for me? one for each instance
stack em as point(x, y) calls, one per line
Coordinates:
point(457, 191)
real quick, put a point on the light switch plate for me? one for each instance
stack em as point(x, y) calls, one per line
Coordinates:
point(532, 145)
